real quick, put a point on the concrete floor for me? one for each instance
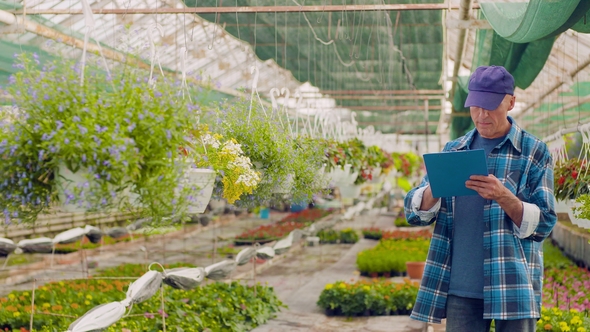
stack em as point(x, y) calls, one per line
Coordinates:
point(300, 279)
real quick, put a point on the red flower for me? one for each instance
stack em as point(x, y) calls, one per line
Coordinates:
point(575, 174)
point(561, 180)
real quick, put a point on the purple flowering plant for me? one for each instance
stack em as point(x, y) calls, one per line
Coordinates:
point(120, 133)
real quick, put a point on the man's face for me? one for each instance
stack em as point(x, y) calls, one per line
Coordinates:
point(493, 123)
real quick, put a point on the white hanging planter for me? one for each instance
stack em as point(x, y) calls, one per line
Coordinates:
point(67, 182)
point(285, 186)
point(342, 176)
point(350, 191)
point(376, 175)
point(562, 207)
point(202, 182)
point(584, 223)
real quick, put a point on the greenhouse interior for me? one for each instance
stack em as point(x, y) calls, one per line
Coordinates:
point(294, 165)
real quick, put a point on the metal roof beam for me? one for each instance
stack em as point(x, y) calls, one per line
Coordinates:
point(384, 92)
point(393, 108)
point(346, 97)
point(404, 123)
point(254, 9)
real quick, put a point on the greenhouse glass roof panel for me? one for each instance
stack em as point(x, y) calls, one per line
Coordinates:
point(360, 55)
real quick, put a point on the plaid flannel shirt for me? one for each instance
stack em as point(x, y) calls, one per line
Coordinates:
point(513, 256)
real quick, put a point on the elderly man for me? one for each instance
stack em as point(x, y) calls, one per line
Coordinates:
point(485, 259)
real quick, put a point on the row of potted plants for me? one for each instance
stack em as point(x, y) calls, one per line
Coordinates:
point(375, 233)
point(216, 306)
point(565, 301)
point(389, 257)
point(368, 297)
point(345, 236)
point(281, 228)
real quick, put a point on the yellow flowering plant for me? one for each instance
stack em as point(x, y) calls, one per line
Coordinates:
point(372, 297)
point(225, 156)
point(557, 320)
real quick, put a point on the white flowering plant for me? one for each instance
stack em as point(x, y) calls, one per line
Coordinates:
point(288, 165)
point(117, 129)
point(225, 156)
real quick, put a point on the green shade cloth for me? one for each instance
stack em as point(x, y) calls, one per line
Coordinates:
point(524, 22)
point(367, 50)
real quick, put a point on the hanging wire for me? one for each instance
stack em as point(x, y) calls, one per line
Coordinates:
point(311, 27)
point(563, 73)
point(578, 90)
point(276, 47)
point(216, 23)
point(286, 34)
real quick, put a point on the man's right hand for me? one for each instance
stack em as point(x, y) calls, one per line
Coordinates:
point(427, 200)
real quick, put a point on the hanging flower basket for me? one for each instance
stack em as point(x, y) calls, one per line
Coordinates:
point(572, 204)
point(202, 181)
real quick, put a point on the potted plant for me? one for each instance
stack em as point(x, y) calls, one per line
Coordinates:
point(407, 165)
point(116, 137)
point(372, 233)
point(349, 235)
point(571, 179)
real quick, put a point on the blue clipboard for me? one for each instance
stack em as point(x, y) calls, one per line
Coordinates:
point(448, 171)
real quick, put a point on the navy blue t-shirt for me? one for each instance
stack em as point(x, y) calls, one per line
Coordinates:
point(467, 245)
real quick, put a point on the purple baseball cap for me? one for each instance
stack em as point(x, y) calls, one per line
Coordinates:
point(488, 86)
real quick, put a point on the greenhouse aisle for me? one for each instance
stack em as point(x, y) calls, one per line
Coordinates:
point(299, 281)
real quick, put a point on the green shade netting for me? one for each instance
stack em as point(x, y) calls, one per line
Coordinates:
point(368, 50)
point(583, 25)
point(7, 52)
point(552, 115)
point(205, 96)
point(524, 22)
point(522, 40)
point(523, 60)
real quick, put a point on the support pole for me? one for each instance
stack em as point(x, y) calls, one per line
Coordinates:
point(32, 304)
point(426, 122)
point(464, 10)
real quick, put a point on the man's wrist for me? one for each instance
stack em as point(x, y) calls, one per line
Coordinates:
point(512, 205)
